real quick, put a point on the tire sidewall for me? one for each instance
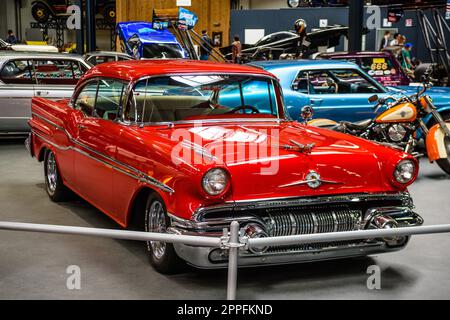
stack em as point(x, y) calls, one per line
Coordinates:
point(59, 193)
point(170, 262)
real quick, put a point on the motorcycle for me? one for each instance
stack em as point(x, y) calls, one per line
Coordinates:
point(400, 126)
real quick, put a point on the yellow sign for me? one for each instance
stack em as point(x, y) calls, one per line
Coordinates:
point(379, 60)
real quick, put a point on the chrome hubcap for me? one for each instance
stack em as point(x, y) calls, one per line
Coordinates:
point(157, 223)
point(52, 172)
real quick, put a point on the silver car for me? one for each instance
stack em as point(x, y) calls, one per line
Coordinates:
point(24, 75)
point(98, 57)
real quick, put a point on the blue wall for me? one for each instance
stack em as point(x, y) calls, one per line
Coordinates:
point(283, 19)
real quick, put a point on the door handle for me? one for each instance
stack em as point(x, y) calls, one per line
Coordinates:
point(42, 93)
point(81, 127)
point(313, 101)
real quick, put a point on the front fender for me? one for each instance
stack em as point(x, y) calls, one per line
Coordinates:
point(293, 102)
point(436, 147)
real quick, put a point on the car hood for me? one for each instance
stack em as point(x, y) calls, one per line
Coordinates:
point(264, 160)
point(440, 95)
point(145, 32)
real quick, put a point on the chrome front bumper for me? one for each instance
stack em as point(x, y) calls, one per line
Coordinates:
point(199, 257)
point(371, 218)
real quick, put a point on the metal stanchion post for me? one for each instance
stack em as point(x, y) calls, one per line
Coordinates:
point(233, 261)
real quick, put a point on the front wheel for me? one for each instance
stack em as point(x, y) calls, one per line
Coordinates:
point(444, 164)
point(162, 255)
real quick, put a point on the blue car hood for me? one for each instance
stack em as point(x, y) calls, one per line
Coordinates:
point(145, 32)
point(440, 95)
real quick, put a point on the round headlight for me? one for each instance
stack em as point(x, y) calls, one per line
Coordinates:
point(405, 171)
point(215, 181)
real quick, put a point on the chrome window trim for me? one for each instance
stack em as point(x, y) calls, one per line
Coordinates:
point(133, 172)
point(132, 84)
point(321, 68)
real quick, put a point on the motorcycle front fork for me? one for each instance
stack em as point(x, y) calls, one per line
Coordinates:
point(437, 116)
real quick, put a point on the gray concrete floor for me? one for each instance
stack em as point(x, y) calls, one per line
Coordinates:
point(33, 266)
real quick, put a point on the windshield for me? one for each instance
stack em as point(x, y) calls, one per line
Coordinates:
point(181, 98)
point(162, 51)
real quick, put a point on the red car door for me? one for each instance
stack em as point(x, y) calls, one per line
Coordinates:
point(96, 140)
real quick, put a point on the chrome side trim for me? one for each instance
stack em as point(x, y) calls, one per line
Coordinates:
point(199, 150)
point(51, 123)
point(135, 173)
point(302, 182)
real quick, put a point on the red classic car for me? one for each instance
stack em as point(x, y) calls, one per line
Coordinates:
point(186, 147)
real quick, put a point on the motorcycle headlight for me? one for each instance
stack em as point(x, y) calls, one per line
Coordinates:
point(215, 182)
point(405, 171)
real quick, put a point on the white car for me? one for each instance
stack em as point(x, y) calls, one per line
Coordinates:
point(27, 48)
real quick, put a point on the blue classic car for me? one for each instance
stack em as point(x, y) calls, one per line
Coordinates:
point(141, 41)
point(338, 90)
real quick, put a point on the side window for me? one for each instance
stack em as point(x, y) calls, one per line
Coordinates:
point(301, 83)
point(17, 72)
point(109, 98)
point(259, 94)
point(78, 70)
point(255, 93)
point(322, 82)
point(54, 72)
point(353, 81)
point(95, 60)
point(85, 102)
point(138, 102)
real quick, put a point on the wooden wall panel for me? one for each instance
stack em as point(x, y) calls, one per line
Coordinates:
point(214, 15)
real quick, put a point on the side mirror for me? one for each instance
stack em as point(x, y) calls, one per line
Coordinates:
point(307, 113)
point(373, 99)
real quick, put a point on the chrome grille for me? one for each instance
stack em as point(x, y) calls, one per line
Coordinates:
point(307, 220)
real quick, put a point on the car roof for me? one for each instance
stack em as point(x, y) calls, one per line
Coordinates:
point(133, 70)
point(7, 55)
point(287, 70)
point(278, 64)
point(101, 52)
point(354, 53)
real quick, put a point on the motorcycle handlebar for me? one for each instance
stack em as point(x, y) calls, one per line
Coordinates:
point(410, 98)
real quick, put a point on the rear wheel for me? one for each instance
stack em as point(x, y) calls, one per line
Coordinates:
point(444, 164)
point(162, 255)
point(40, 12)
point(54, 185)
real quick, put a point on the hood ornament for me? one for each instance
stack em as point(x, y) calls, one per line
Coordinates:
point(297, 146)
point(312, 179)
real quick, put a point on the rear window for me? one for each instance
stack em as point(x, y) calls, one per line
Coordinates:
point(17, 72)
